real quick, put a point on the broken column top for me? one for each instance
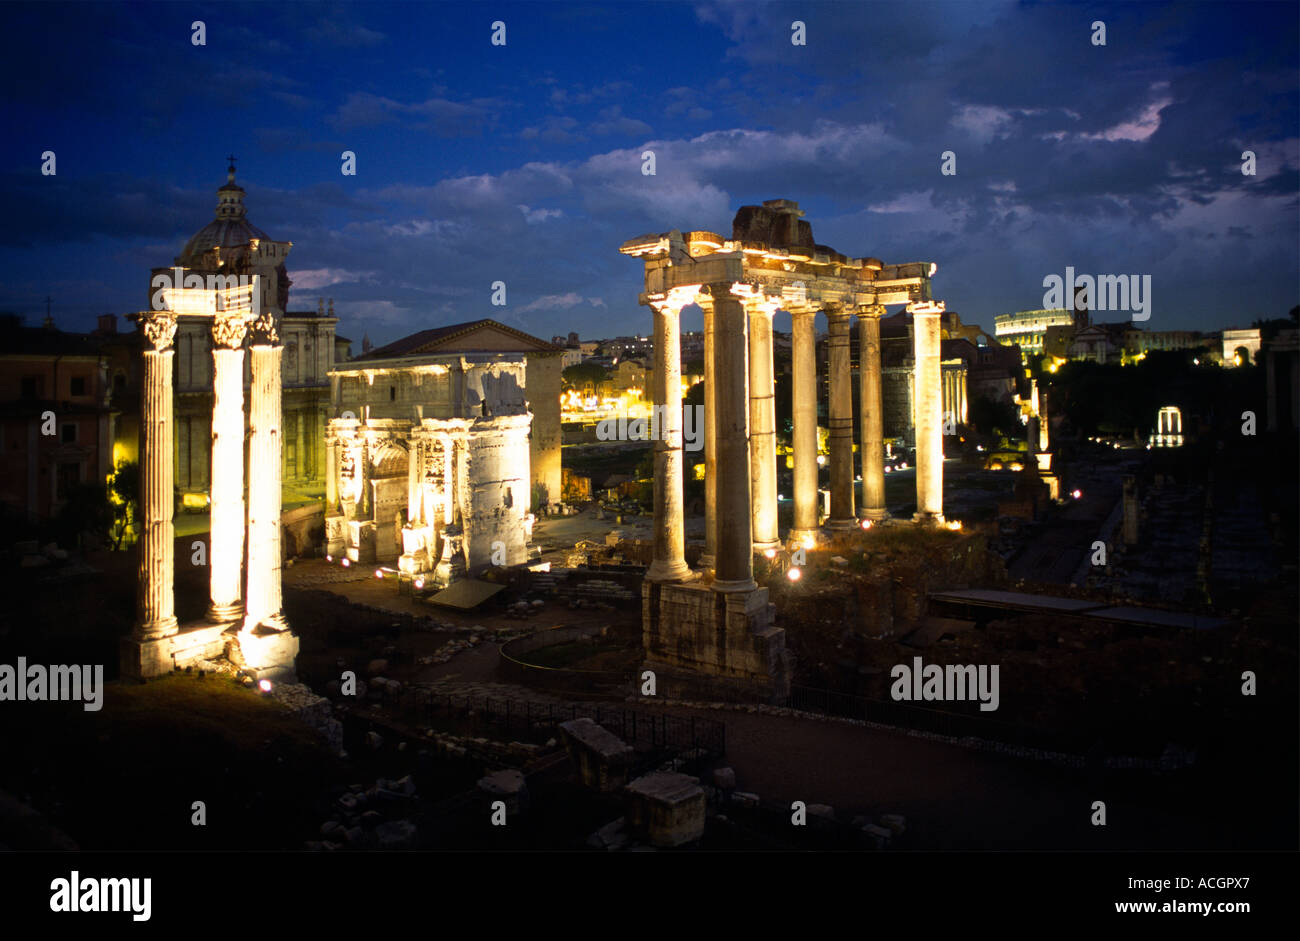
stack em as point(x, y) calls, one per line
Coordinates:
point(595, 737)
point(667, 787)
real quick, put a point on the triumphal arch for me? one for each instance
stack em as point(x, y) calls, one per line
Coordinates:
point(716, 620)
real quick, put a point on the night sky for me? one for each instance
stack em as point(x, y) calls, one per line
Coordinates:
point(522, 163)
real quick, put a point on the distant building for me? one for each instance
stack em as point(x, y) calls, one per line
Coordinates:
point(1240, 346)
point(55, 382)
point(544, 365)
point(230, 243)
point(1027, 329)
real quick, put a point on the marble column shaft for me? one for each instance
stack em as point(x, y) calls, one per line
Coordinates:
point(872, 418)
point(928, 396)
point(710, 441)
point(804, 399)
point(669, 562)
point(734, 564)
point(841, 420)
point(226, 516)
point(263, 599)
point(331, 475)
point(157, 545)
point(762, 423)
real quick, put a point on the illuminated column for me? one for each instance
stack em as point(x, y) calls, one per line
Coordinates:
point(734, 564)
point(331, 473)
point(669, 563)
point(762, 419)
point(226, 550)
point(872, 419)
point(804, 396)
point(414, 461)
point(841, 420)
point(262, 605)
point(710, 440)
point(927, 393)
point(156, 599)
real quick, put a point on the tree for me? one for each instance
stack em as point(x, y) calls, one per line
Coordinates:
point(124, 500)
point(580, 375)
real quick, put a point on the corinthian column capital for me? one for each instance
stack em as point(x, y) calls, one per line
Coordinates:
point(871, 310)
point(263, 330)
point(159, 328)
point(674, 299)
point(228, 330)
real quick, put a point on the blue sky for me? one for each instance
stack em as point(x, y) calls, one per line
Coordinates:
point(478, 163)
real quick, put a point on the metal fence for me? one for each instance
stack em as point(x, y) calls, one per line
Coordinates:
point(906, 715)
point(529, 719)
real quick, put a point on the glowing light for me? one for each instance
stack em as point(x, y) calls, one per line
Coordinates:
point(903, 466)
point(769, 553)
point(379, 573)
point(419, 584)
point(264, 686)
point(1076, 494)
point(954, 525)
point(329, 558)
point(808, 542)
point(821, 460)
point(866, 524)
point(347, 563)
point(794, 574)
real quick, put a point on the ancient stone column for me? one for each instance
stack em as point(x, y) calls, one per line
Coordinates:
point(841, 420)
point(709, 556)
point(156, 598)
point(927, 394)
point(804, 395)
point(226, 515)
point(734, 564)
point(331, 474)
point(872, 419)
point(669, 562)
point(762, 419)
point(263, 600)
point(413, 462)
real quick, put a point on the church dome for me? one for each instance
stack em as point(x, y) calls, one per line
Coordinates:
point(229, 229)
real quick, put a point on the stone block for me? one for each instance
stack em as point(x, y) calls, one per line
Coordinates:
point(666, 808)
point(141, 659)
point(603, 759)
point(724, 778)
point(508, 786)
point(270, 655)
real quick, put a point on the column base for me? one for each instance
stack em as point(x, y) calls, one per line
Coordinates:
point(707, 562)
point(139, 658)
point(266, 655)
point(802, 538)
point(761, 547)
point(271, 622)
point(841, 524)
point(928, 519)
point(729, 585)
point(662, 570)
point(875, 514)
point(225, 613)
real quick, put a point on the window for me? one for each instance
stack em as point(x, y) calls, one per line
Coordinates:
point(69, 478)
point(392, 393)
point(78, 385)
point(69, 435)
point(32, 387)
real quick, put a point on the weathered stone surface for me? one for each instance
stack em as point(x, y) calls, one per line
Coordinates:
point(724, 778)
point(895, 823)
point(603, 759)
point(666, 808)
point(508, 786)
